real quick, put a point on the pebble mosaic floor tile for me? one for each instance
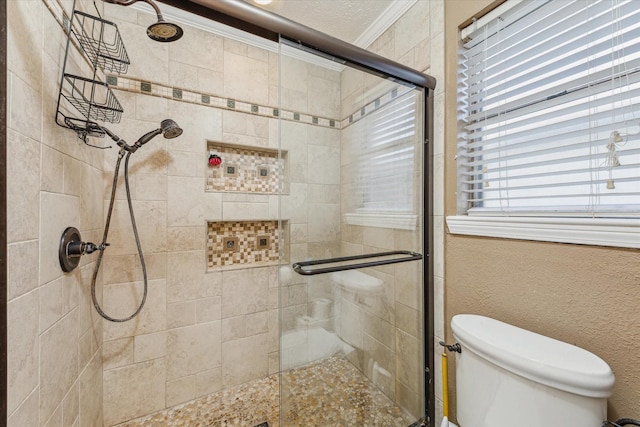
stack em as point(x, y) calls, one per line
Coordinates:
point(331, 392)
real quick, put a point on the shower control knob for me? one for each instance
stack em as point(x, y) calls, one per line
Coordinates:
point(72, 248)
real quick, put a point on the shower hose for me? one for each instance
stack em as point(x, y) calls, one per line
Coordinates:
point(106, 233)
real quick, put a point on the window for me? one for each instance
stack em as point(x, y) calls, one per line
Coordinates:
point(383, 149)
point(550, 107)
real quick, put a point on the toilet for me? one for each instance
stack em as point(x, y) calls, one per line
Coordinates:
point(507, 376)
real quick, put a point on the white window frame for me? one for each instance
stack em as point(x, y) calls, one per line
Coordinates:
point(613, 232)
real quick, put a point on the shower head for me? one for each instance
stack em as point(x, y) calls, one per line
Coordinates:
point(170, 129)
point(164, 32)
point(161, 31)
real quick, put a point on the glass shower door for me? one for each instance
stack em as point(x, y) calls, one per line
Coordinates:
point(350, 280)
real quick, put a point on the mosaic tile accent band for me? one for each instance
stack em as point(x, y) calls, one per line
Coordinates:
point(242, 242)
point(210, 100)
point(180, 94)
point(245, 170)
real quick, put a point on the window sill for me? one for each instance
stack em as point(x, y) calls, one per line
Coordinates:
point(382, 220)
point(624, 233)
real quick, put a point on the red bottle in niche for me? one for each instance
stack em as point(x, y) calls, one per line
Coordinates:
point(214, 160)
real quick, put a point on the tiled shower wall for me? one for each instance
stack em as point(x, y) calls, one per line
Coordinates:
point(53, 181)
point(204, 330)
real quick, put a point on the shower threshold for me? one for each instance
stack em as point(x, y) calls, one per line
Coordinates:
point(331, 392)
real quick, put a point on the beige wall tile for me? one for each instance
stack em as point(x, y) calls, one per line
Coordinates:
point(256, 323)
point(185, 238)
point(193, 349)
point(233, 328)
point(71, 406)
point(186, 164)
point(52, 174)
point(25, 107)
point(407, 276)
point(56, 418)
point(26, 415)
point(185, 198)
point(22, 276)
point(236, 47)
point(151, 186)
point(57, 213)
point(91, 393)
point(383, 238)
point(244, 359)
point(89, 344)
point(408, 368)
point(350, 324)
point(199, 125)
point(324, 97)
point(155, 66)
point(75, 178)
point(155, 263)
point(86, 182)
point(187, 278)
point(23, 349)
point(324, 165)
point(244, 291)
point(24, 38)
point(58, 363)
point(188, 50)
point(145, 391)
point(122, 300)
point(324, 222)
point(209, 382)
point(181, 314)
point(118, 268)
point(117, 353)
point(23, 212)
point(52, 303)
point(209, 309)
point(150, 346)
point(239, 71)
point(181, 390)
point(232, 211)
point(152, 230)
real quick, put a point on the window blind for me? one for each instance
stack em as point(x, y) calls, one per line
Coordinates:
point(549, 101)
point(386, 172)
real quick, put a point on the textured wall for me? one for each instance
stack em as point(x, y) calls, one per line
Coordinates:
point(584, 295)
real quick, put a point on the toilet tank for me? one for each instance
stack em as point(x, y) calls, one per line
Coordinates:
point(507, 376)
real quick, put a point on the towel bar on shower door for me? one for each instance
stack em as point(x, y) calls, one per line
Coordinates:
point(298, 267)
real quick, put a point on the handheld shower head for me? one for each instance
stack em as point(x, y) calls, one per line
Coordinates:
point(161, 31)
point(170, 129)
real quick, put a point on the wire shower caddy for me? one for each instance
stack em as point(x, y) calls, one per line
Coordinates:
point(93, 99)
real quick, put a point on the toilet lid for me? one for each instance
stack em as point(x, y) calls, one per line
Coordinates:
point(534, 356)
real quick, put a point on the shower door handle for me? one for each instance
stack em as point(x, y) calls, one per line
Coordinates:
point(299, 267)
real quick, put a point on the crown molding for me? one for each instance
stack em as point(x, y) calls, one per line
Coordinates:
point(386, 19)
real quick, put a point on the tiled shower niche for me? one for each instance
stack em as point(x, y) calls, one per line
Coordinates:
point(242, 244)
point(246, 169)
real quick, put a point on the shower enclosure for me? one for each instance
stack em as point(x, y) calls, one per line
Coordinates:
point(286, 233)
point(352, 315)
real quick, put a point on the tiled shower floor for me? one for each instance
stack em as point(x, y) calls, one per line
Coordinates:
point(331, 392)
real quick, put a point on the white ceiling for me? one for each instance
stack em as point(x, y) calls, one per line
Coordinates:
point(354, 21)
